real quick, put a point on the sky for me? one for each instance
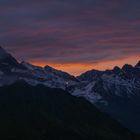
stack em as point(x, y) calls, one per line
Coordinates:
point(72, 35)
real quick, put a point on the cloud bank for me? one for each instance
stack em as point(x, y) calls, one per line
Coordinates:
point(69, 31)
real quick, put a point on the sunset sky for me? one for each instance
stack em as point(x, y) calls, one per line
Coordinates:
point(72, 35)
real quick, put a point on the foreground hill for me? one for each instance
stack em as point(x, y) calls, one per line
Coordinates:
point(41, 113)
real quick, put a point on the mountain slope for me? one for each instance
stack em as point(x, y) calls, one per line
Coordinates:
point(39, 113)
point(12, 71)
point(116, 92)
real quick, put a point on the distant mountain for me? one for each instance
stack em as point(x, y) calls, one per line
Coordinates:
point(40, 113)
point(11, 71)
point(115, 91)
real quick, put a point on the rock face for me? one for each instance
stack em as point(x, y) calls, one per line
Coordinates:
point(116, 91)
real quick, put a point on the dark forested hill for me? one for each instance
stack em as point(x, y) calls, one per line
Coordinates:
point(41, 113)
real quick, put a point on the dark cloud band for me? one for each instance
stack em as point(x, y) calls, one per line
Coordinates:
point(69, 31)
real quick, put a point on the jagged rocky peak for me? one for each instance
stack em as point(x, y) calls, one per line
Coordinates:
point(127, 67)
point(89, 75)
point(117, 69)
point(137, 65)
point(48, 68)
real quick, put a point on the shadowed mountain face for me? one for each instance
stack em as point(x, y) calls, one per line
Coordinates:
point(41, 113)
point(116, 92)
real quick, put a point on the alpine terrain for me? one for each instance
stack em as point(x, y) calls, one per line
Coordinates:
point(115, 92)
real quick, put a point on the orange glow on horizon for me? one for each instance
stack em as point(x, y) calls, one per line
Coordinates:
point(77, 69)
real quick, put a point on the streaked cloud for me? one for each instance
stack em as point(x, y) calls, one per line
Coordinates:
point(71, 32)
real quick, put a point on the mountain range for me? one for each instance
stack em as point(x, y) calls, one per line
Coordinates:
point(115, 92)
